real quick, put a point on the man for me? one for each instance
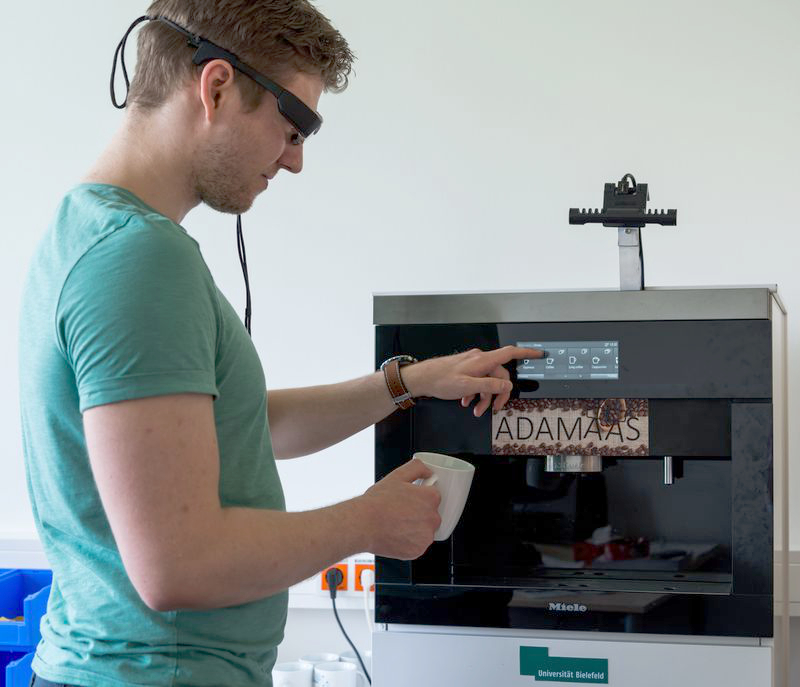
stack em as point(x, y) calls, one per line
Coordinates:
point(150, 438)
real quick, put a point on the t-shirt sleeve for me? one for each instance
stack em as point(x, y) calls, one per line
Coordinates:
point(138, 316)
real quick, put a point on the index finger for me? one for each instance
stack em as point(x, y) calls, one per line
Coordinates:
point(500, 356)
point(411, 471)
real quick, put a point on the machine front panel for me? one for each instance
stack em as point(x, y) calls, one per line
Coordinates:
point(429, 659)
point(687, 360)
point(673, 538)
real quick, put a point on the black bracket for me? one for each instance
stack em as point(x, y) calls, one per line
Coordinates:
point(624, 205)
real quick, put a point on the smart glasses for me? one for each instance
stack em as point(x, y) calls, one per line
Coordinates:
point(295, 111)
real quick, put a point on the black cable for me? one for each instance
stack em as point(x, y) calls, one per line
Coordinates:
point(628, 185)
point(358, 655)
point(623, 186)
point(334, 578)
point(119, 53)
point(641, 258)
point(248, 311)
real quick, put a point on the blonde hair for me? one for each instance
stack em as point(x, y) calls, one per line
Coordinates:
point(275, 37)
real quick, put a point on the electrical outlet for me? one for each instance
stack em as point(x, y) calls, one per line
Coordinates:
point(361, 567)
point(343, 587)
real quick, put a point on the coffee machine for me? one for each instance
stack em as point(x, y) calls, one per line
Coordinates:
point(628, 504)
point(628, 520)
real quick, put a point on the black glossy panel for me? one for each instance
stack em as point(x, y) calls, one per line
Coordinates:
point(697, 359)
point(690, 427)
point(446, 427)
point(667, 613)
point(723, 359)
point(752, 497)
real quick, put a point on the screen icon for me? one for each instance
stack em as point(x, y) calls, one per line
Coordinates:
point(577, 360)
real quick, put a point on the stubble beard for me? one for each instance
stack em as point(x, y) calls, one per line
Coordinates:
point(215, 179)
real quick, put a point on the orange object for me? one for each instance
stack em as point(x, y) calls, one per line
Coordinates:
point(343, 586)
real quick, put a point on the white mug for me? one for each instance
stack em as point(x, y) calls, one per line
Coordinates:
point(335, 674)
point(293, 674)
point(453, 478)
point(315, 659)
point(366, 656)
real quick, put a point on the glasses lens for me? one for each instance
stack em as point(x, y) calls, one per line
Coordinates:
point(304, 119)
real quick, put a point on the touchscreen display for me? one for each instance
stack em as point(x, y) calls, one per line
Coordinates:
point(571, 360)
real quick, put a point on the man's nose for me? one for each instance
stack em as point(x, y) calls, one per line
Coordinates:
point(292, 159)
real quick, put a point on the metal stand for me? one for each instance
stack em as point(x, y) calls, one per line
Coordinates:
point(631, 260)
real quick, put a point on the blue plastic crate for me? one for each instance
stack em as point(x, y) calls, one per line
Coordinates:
point(22, 593)
point(18, 672)
point(9, 660)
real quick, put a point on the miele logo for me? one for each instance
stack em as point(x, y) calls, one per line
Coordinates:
point(569, 608)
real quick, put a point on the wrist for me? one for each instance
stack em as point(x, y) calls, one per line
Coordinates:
point(414, 379)
point(359, 520)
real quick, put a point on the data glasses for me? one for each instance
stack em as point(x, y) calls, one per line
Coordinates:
point(294, 110)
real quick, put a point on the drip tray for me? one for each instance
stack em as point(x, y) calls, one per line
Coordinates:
point(719, 584)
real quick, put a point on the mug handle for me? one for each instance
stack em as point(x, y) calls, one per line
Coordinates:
point(429, 482)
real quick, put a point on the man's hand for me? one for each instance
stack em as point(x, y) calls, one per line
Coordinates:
point(404, 515)
point(467, 375)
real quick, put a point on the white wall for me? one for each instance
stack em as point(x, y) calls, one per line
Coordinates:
point(313, 631)
point(468, 131)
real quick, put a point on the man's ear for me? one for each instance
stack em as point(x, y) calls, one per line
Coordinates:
point(216, 87)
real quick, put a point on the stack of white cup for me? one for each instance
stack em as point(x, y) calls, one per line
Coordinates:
point(292, 674)
point(322, 670)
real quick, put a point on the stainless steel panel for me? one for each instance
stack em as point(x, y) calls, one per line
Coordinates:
point(713, 303)
point(579, 464)
point(631, 267)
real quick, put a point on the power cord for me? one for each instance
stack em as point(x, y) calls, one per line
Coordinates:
point(248, 308)
point(366, 586)
point(334, 578)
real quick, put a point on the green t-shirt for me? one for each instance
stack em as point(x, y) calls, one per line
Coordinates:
point(119, 304)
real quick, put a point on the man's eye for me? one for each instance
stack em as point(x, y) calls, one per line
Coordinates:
point(296, 139)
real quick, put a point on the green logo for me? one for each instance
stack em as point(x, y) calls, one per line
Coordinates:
point(535, 661)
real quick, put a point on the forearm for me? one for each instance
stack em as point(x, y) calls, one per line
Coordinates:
point(244, 554)
point(310, 419)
